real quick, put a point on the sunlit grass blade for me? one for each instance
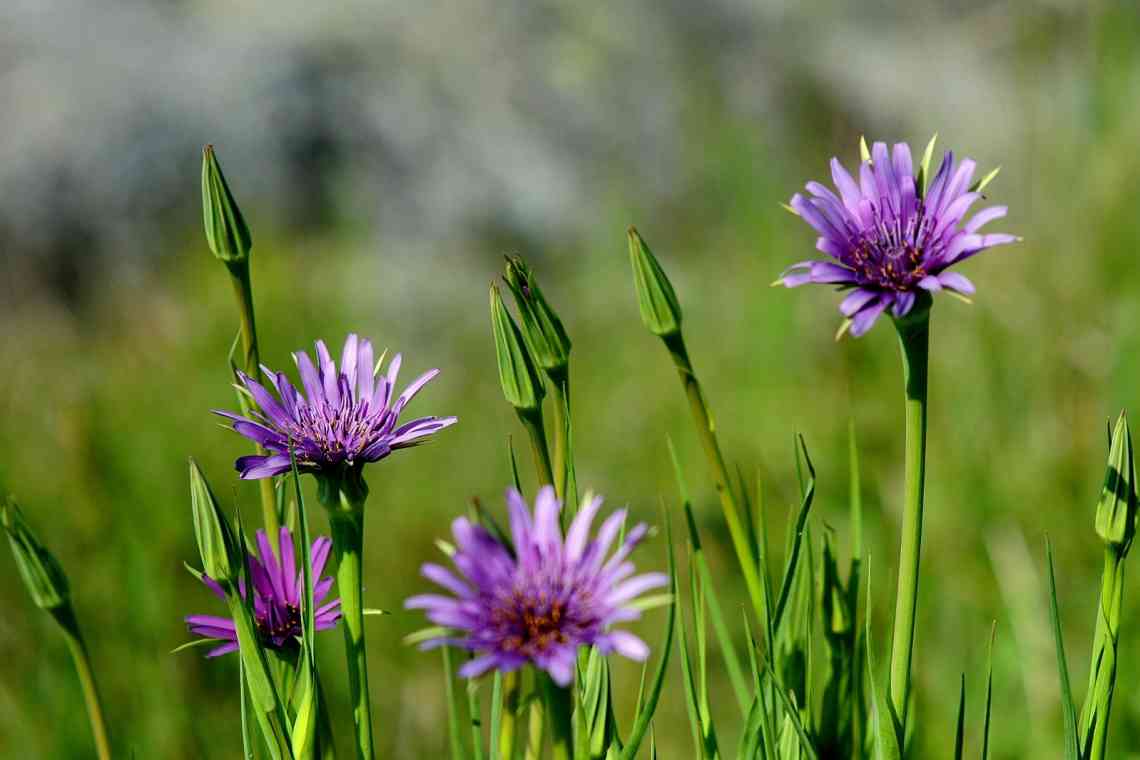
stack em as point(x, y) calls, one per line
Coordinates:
point(496, 715)
point(1068, 711)
point(646, 709)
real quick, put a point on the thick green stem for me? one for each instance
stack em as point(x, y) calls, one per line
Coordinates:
point(1102, 672)
point(914, 341)
point(66, 617)
point(345, 501)
point(535, 730)
point(706, 431)
point(532, 421)
point(563, 466)
point(508, 726)
point(560, 709)
point(251, 364)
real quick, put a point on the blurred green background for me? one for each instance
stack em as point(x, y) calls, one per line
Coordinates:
point(386, 156)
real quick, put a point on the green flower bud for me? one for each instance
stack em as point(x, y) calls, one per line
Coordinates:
point(660, 310)
point(1116, 510)
point(541, 327)
point(42, 574)
point(226, 231)
point(217, 546)
point(522, 385)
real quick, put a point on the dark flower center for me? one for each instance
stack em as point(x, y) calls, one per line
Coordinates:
point(529, 627)
point(281, 626)
point(899, 267)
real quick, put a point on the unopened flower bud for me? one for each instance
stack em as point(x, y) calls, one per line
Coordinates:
point(543, 330)
point(42, 574)
point(522, 385)
point(1116, 510)
point(660, 310)
point(217, 546)
point(226, 231)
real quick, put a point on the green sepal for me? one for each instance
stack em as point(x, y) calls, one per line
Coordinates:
point(217, 546)
point(226, 230)
point(541, 326)
point(656, 299)
point(42, 574)
point(522, 386)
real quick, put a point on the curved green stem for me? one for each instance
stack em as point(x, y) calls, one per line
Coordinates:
point(79, 655)
point(914, 342)
point(345, 501)
point(251, 364)
point(563, 455)
point(706, 431)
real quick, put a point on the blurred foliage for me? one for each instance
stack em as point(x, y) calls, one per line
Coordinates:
point(105, 395)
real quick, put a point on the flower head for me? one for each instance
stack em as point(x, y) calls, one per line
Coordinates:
point(346, 417)
point(278, 587)
point(890, 238)
point(543, 598)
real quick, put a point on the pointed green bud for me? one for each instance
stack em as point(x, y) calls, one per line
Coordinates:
point(541, 326)
point(660, 310)
point(219, 549)
point(522, 385)
point(1116, 510)
point(42, 574)
point(226, 231)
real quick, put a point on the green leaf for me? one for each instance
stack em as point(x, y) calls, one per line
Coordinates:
point(989, 694)
point(864, 151)
point(960, 734)
point(923, 179)
point(980, 185)
point(884, 723)
point(521, 384)
point(646, 709)
point(496, 714)
point(808, 489)
point(1068, 714)
point(454, 726)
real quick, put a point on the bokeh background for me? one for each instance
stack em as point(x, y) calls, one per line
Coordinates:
point(387, 154)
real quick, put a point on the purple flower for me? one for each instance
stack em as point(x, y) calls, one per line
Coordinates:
point(543, 598)
point(344, 418)
point(887, 239)
point(277, 591)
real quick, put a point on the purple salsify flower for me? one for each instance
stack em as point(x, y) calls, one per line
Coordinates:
point(278, 588)
point(345, 417)
point(887, 239)
point(543, 598)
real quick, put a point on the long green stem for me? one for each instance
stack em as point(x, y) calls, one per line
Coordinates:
point(560, 709)
point(79, 655)
point(914, 341)
point(243, 292)
point(563, 465)
point(346, 519)
point(706, 431)
point(538, 447)
point(508, 727)
point(1102, 673)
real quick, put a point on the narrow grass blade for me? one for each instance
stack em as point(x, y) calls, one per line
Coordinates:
point(960, 734)
point(989, 694)
point(454, 728)
point(808, 491)
point(1068, 714)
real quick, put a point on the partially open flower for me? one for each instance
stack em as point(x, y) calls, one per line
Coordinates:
point(278, 588)
point(890, 238)
point(345, 418)
point(540, 600)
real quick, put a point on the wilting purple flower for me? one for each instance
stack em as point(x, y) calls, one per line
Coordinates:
point(888, 240)
point(278, 588)
point(345, 417)
point(543, 598)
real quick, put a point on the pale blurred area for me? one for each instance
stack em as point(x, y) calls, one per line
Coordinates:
point(387, 154)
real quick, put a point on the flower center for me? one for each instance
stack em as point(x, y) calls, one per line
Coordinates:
point(280, 625)
point(530, 626)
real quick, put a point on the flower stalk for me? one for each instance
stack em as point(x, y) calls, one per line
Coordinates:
point(50, 591)
point(344, 499)
point(560, 708)
point(914, 343)
point(229, 239)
